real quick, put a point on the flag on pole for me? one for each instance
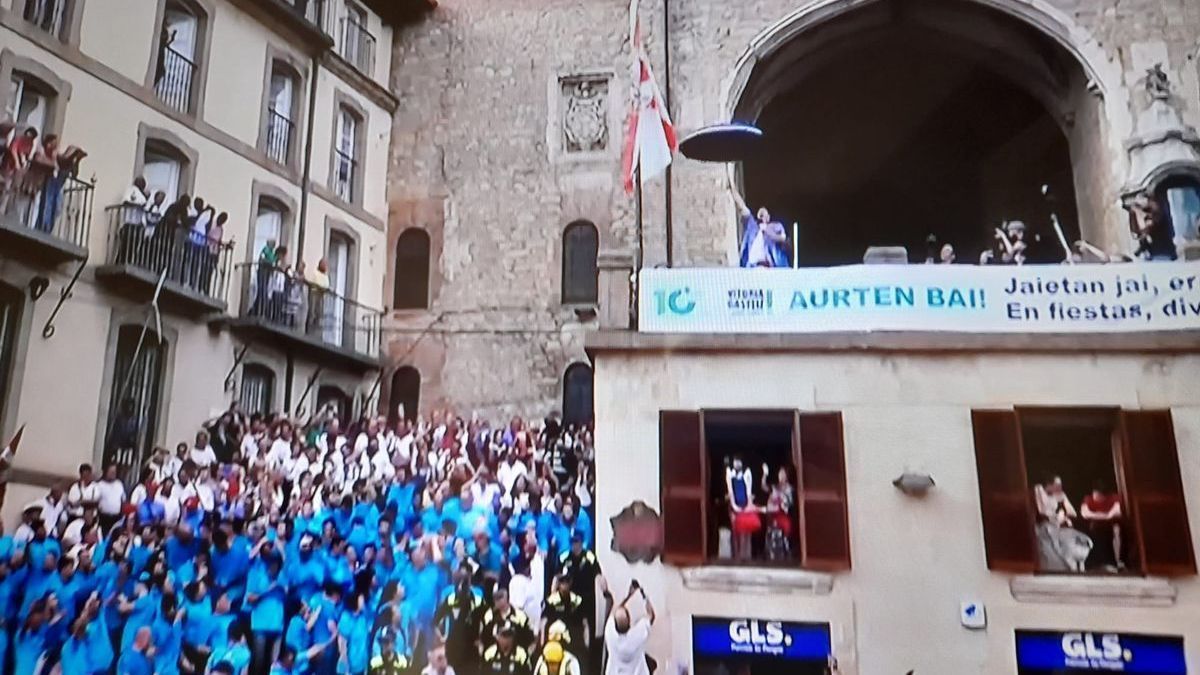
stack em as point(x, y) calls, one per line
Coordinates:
point(11, 449)
point(650, 138)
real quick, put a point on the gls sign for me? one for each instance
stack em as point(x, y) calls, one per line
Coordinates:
point(1089, 650)
point(758, 637)
point(678, 301)
point(1041, 652)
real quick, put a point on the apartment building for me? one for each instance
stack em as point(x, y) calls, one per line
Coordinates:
point(275, 113)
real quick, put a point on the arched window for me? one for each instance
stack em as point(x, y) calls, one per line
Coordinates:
point(165, 168)
point(134, 398)
point(282, 112)
point(577, 394)
point(405, 391)
point(580, 244)
point(330, 394)
point(11, 300)
point(347, 153)
point(258, 388)
point(412, 270)
point(177, 61)
point(29, 102)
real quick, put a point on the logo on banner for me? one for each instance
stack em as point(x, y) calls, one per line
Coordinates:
point(678, 301)
point(749, 301)
point(1097, 652)
point(758, 637)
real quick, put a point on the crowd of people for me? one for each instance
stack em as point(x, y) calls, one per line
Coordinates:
point(185, 237)
point(34, 170)
point(273, 545)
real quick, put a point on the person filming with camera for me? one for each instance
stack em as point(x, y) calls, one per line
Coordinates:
point(626, 639)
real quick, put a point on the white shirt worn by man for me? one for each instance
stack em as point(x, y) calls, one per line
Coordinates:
point(81, 494)
point(627, 651)
point(203, 457)
point(508, 474)
point(112, 497)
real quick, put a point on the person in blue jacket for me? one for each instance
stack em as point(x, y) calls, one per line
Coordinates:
point(266, 599)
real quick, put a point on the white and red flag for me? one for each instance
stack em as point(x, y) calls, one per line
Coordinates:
point(649, 135)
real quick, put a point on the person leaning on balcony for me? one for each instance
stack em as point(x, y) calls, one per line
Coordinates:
point(17, 155)
point(135, 202)
point(763, 240)
point(49, 171)
point(277, 284)
point(318, 286)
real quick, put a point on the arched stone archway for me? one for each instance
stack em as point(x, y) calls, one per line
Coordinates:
point(890, 121)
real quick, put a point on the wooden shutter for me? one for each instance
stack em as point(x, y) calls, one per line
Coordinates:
point(684, 493)
point(1151, 469)
point(1004, 493)
point(824, 520)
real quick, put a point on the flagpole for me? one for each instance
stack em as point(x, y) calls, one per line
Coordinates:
point(637, 265)
point(670, 229)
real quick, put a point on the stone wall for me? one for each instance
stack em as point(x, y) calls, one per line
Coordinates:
point(481, 159)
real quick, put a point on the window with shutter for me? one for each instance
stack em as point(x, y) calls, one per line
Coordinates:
point(1003, 492)
point(684, 497)
point(824, 518)
point(1151, 469)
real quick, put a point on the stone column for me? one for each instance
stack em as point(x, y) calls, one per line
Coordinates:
point(615, 306)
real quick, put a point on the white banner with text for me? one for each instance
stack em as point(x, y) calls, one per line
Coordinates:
point(1150, 296)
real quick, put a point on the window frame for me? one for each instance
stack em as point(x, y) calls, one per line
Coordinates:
point(152, 425)
point(278, 60)
point(69, 22)
point(262, 192)
point(261, 370)
point(12, 342)
point(12, 65)
point(398, 279)
point(571, 289)
point(683, 492)
point(988, 423)
point(344, 103)
point(204, 11)
point(166, 142)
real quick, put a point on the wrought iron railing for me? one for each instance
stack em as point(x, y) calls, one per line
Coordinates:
point(46, 15)
point(52, 202)
point(140, 239)
point(314, 11)
point(356, 44)
point(345, 168)
point(279, 136)
point(174, 78)
point(276, 297)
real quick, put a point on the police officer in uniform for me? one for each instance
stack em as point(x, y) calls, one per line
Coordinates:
point(566, 606)
point(455, 623)
point(502, 613)
point(556, 660)
point(506, 657)
point(388, 661)
point(583, 568)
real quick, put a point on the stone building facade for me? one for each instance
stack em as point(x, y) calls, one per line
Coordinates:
point(510, 130)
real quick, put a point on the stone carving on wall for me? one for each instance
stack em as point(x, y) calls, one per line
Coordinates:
point(585, 113)
point(1158, 85)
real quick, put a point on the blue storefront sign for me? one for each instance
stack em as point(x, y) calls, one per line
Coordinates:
point(784, 640)
point(1045, 652)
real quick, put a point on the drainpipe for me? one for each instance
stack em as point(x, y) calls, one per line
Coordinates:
point(306, 174)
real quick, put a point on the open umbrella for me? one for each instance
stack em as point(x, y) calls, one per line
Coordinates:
point(732, 142)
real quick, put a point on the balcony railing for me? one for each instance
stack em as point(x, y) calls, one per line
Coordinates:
point(272, 296)
point(174, 78)
point(357, 45)
point(49, 202)
point(279, 136)
point(345, 167)
point(194, 263)
point(46, 14)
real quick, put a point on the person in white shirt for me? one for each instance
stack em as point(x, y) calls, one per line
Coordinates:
point(626, 639)
point(53, 509)
point(168, 496)
point(202, 454)
point(174, 464)
point(111, 498)
point(250, 447)
point(83, 492)
point(134, 200)
point(159, 465)
point(510, 470)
